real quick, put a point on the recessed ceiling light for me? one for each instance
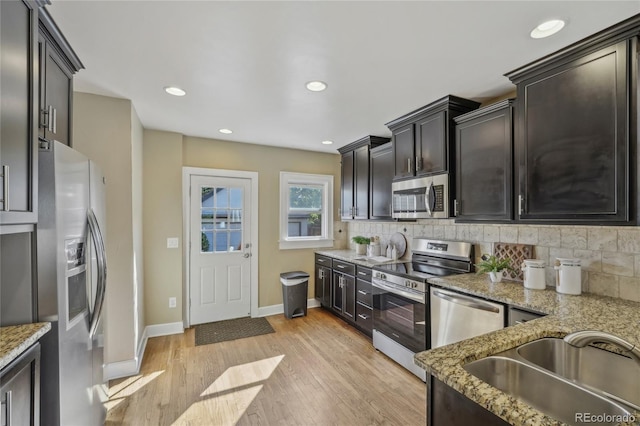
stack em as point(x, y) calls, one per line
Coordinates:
point(175, 91)
point(316, 86)
point(547, 28)
point(327, 142)
point(226, 131)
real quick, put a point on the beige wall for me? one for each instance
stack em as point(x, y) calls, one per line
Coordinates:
point(268, 162)
point(102, 130)
point(165, 154)
point(137, 135)
point(162, 219)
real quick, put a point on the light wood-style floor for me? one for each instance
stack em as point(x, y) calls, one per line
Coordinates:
point(313, 370)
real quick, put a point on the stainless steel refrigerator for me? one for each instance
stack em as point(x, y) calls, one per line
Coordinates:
point(71, 286)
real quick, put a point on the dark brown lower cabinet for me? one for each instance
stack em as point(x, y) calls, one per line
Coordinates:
point(448, 407)
point(344, 295)
point(20, 389)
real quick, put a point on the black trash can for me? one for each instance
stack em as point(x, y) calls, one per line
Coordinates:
point(295, 285)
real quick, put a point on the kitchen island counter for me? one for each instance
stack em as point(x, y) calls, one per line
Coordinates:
point(16, 339)
point(565, 314)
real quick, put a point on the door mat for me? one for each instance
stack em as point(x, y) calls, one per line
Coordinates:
point(239, 328)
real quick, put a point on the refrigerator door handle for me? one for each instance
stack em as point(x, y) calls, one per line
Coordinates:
point(101, 259)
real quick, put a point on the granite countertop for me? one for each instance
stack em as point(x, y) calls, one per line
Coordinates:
point(16, 339)
point(566, 314)
point(358, 259)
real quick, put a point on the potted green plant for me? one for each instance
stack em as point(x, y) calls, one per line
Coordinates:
point(361, 244)
point(493, 266)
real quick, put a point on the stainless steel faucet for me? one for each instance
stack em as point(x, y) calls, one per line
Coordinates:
point(580, 339)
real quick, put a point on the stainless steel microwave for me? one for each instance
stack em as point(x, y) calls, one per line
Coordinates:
point(421, 198)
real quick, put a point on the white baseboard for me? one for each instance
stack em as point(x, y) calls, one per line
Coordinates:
point(164, 329)
point(265, 311)
point(131, 367)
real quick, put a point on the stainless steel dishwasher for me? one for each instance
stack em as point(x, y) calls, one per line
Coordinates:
point(456, 316)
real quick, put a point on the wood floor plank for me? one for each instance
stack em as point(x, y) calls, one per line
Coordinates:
point(314, 370)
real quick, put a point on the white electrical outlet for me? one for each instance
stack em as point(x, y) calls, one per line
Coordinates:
point(172, 243)
point(172, 302)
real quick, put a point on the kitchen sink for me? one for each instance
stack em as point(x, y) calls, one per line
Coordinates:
point(615, 375)
point(549, 393)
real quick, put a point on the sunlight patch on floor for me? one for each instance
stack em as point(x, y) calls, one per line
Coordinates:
point(229, 396)
point(128, 387)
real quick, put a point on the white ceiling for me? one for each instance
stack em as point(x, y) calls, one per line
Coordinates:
point(244, 65)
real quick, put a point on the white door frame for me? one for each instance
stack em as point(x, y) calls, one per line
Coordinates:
point(187, 172)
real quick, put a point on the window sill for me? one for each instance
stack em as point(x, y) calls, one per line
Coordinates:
point(304, 244)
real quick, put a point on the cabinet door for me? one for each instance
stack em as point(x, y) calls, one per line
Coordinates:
point(573, 140)
point(349, 288)
point(346, 210)
point(403, 151)
point(484, 167)
point(20, 389)
point(361, 183)
point(319, 290)
point(56, 91)
point(18, 31)
point(381, 176)
point(431, 144)
point(327, 287)
point(337, 293)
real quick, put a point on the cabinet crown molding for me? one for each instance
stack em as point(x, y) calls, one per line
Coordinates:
point(484, 110)
point(372, 141)
point(622, 31)
point(50, 29)
point(449, 102)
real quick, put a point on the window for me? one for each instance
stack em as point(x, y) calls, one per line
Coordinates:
point(306, 210)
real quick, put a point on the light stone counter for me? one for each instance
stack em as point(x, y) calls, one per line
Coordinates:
point(351, 256)
point(16, 339)
point(566, 314)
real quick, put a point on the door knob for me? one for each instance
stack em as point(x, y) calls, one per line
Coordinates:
point(246, 255)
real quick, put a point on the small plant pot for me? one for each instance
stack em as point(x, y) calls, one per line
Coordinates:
point(496, 277)
point(361, 248)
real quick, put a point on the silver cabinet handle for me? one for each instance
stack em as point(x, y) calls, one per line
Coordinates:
point(340, 266)
point(362, 273)
point(455, 207)
point(7, 403)
point(408, 165)
point(418, 163)
point(364, 317)
point(50, 118)
point(54, 125)
point(520, 204)
point(5, 188)
point(521, 321)
point(362, 292)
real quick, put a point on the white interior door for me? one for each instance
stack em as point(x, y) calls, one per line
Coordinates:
point(220, 249)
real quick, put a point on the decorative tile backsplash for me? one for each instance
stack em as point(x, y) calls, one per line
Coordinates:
point(610, 254)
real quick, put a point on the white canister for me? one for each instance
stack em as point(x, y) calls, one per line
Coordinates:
point(534, 272)
point(568, 276)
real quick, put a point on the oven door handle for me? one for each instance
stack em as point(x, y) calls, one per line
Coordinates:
point(417, 297)
point(467, 301)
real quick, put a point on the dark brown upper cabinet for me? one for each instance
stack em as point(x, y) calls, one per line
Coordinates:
point(484, 164)
point(58, 63)
point(18, 112)
point(576, 114)
point(380, 177)
point(423, 140)
point(354, 191)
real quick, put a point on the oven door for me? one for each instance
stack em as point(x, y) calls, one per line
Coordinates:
point(400, 314)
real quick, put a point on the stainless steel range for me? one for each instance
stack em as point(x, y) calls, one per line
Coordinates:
point(400, 295)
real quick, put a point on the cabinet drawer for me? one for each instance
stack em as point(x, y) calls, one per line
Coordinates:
point(323, 260)
point(363, 273)
point(364, 318)
point(344, 267)
point(363, 293)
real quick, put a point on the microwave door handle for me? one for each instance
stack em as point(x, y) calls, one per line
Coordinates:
point(427, 199)
point(432, 197)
